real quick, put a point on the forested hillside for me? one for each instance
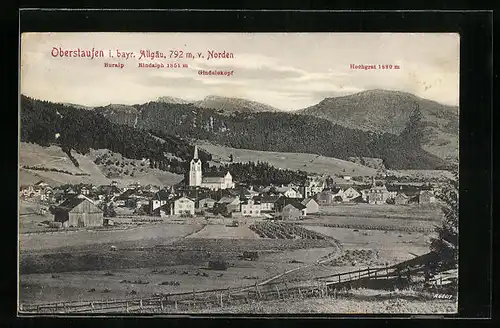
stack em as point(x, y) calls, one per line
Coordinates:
point(284, 132)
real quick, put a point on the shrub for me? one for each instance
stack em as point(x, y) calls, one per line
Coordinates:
point(217, 265)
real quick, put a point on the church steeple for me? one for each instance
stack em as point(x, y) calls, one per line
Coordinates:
point(195, 171)
point(195, 157)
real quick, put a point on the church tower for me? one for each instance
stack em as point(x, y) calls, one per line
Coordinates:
point(195, 170)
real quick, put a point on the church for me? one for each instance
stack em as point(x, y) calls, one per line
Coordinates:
point(213, 181)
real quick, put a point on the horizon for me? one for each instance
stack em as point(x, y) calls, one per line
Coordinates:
point(288, 71)
point(198, 100)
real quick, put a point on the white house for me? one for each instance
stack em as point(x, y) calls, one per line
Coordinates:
point(289, 192)
point(251, 208)
point(312, 207)
point(181, 205)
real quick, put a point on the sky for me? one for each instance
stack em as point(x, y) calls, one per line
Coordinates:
point(288, 71)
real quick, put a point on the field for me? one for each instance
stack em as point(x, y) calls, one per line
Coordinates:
point(170, 258)
point(223, 231)
point(139, 236)
point(427, 212)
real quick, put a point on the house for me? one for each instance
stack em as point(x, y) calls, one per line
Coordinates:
point(282, 202)
point(408, 190)
point(329, 196)
point(180, 205)
point(267, 202)
point(84, 191)
point(401, 199)
point(313, 187)
point(293, 211)
point(312, 207)
point(289, 192)
point(377, 194)
point(251, 207)
point(159, 199)
point(206, 203)
point(350, 194)
point(426, 197)
point(78, 211)
point(229, 203)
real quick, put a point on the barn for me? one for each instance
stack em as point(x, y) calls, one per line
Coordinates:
point(78, 211)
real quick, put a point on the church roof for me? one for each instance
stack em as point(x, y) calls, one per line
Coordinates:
point(214, 175)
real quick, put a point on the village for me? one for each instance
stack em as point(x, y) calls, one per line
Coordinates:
point(213, 196)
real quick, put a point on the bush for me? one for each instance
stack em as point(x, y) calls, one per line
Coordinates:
point(217, 265)
point(55, 224)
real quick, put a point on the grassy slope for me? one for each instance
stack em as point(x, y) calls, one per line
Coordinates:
point(293, 161)
point(53, 157)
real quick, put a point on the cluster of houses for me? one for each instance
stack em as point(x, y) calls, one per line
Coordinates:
point(377, 194)
point(84, 205)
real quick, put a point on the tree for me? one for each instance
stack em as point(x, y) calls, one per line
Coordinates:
point(414, 129)
point(446, 243)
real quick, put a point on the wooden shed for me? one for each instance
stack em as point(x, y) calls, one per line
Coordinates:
point(78, 212)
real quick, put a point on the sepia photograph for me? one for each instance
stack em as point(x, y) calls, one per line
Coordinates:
point(238, 173)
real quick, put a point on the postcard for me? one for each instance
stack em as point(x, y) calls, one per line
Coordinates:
point(238, 173)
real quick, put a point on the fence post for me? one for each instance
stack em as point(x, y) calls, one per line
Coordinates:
point(368, 272)
point(140, 303)
point(161, 306)
point(278, 290)
point(126, 306)
point(300, 293)
point(339, 278)
point(175, 305)
point(258, 291)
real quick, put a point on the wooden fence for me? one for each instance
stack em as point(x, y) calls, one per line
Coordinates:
point(331, 285)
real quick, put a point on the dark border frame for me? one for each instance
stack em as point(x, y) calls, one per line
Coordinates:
point(475, 29)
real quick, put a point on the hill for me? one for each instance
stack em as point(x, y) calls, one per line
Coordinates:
point(46, 123)
point(121, 114)
point(282, 132)
point(52, 165)
point(388, 111)
point(227, 106)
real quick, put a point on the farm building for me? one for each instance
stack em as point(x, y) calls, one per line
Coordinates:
point(401, 199)
point(78, 211)
point(293, 211)
point(312, 206)
point(426, 197)
point(251, 207)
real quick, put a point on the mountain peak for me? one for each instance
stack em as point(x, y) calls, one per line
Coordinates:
point(172, 100)
point(229, 105)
